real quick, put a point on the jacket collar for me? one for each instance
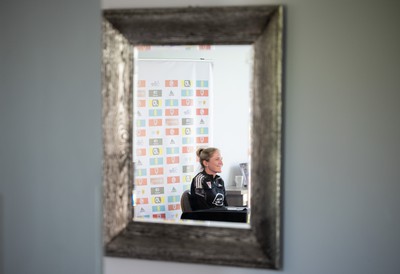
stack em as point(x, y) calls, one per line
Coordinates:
point(209, 176)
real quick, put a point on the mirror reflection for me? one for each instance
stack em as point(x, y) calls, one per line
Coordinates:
point(188, 98)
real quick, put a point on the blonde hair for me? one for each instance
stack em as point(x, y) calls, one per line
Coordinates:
point(205, 154)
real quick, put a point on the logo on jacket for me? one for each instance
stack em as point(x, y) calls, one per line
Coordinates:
point(219, 199)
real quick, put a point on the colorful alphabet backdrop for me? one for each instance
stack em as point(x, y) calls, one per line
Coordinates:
point(172, 118)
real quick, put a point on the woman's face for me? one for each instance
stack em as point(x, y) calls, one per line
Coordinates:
point(214, 165)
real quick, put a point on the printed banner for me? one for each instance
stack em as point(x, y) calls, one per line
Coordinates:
point(172, 117)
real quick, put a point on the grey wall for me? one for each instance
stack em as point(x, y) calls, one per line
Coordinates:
point(50, 140)
point(342, 140)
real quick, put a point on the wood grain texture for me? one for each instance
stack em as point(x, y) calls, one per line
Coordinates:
point(266, 139)
point(262, 26)
point(191, 26)
point(117, 65)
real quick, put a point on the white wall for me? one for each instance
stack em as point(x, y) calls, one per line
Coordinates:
point(232, 72)
point(341, 140)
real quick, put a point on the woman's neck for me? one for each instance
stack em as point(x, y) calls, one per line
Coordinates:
point(210, 173)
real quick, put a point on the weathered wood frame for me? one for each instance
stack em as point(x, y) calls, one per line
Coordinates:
point(261, 26)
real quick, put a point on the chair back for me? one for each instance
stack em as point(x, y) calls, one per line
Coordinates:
point(185, 201)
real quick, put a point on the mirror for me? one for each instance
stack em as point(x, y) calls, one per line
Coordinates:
point(260, 26)
point(187, 97)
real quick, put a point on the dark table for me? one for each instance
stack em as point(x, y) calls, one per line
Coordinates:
point(229, 214)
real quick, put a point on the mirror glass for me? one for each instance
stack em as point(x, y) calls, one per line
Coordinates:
point(187, 97)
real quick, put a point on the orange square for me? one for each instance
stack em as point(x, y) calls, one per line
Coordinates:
point(174, 207)
point(141, 103)
point(172, 112)
point(156, 171)
point(173, 160)
point(202, 92)
point(187, 149)
point(173, 180)
point(142, 201)
point(202, 140)
point(141, 152)
point(202, 111)
point(159, 216)
point(187, 102)
point(141, 181)
point(171, 131)
point(171, 83)
point(141, 83)
point(155, 122)
point(141, 133)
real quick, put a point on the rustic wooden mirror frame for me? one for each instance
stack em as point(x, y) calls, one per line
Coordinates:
point(262, 26)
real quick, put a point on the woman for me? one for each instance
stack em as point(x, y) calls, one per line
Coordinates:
point(208, 189)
